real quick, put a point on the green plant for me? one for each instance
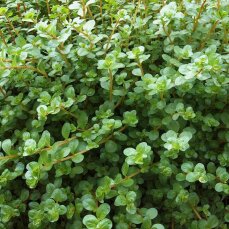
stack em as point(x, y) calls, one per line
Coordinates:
point(114, 114)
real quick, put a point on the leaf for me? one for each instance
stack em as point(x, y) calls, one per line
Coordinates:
point(89, 25)
point(137, 72)
point(6, 146)
point(187, 167)
point(192, 177)
point(104, 224)
point(130, 118)
point(125, 169)
point(120, 200)
point(89, 203)
point(151, 213)
point(212, 221)
point(111, 146)
point(131, 196)
point(82, 119)
point(44, 140)
point(78, 158)
point(66, 130)
point(74, 6)
point(102, 211)
point(90, 221)
point(158, 226)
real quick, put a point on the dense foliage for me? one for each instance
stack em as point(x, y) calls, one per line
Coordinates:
point(114, 114)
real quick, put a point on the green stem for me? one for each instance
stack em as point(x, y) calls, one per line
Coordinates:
point(3, 38)
point(11, 25)
point(112, 33)
point(48, 7)
point(64, 57)
point(196, 21)
point(196, 212)
point(111, 83)
point(25, 67)
point(126, 178)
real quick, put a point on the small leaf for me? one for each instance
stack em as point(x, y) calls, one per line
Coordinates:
point(6, 145)
point(187, 167)
point(44, 140)
point(89, 203)
point(104, 224)
point(192, 177)
point(90, 221)
point(137, 72)
point(111, 146)
point(89, 25)
point(158, 226)
point(151, 213)
point(120, 200)
point(78, 158)
point(66, 129)
point(102, 211)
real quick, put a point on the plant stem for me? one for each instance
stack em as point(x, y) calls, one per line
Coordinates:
point(84, 8)
point(48, 7)
point(84, 151)
point(126, 178)
point(2, 91)
point(218, 4)
point(87, 36)
point(25, 67)
point(11, 25)
point(3, 38)
point(101, 9)
point(140, 66)
point(166, 32)
point(112, 33)
point(111, 83)
point(64, 57)
point(196, 20)
point(196, 212)
point(208, 35)
point(70, 113)
point(61, 143)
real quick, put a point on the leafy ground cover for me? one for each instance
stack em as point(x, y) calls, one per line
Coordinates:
point(114, 114)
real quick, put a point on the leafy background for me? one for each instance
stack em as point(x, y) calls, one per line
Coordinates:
point(114, 114)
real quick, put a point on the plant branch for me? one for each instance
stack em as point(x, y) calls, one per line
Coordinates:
point(196, 20)
point(25, 67)
point(111, 83)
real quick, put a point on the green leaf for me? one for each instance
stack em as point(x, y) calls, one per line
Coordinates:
point(192, 177)
point(102, 211)
point(130, 118)
point(120, 200)
point(6, 146)
point(44, 140)
point(125, 169)
point(90, 221)
point(111, 146)
point(66, 130)
point(131, 196)
point(89, 25)
point(78, 158)
point(89, 203)
point(137, 72)
point(212, 221)
point(199, 168)
point(158, 226)
point(151, 213)
point(187, 167)
point(219, 187)
point(104, 224)
point(82, 119)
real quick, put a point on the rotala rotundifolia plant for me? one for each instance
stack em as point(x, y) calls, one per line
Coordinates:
point(114, 114)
